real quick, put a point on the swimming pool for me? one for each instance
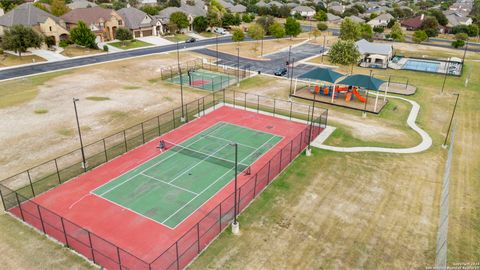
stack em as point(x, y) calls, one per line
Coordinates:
point(420, 65)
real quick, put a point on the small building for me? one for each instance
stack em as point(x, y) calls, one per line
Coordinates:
point(381, 20)
point(29, 15)
point(376, 55)
point(81, 4)
point(103, 22)
point(140, 23)
point(304, 11)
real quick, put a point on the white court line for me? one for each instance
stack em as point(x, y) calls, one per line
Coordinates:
point(133, 176)
point(167, 183)
point(214, 183)
point(198, 163)
point(77, 201)
point(223, 139)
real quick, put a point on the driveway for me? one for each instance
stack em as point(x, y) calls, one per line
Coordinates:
point(49, 55)
point(157, 41)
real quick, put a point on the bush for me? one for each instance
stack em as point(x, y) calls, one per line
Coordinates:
point(461, 36)
point(322, 26)
point(378, 29)
point(458, 43)
point(105, 48)
point(1, 51)
point(63, 43)
point(238, 35)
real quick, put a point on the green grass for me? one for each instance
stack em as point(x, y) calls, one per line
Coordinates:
point(96, 98)
point(40, 111)
point(177, 37)
point(19, 91)
point(207, 34)
point(131, 87)
point(132, 44)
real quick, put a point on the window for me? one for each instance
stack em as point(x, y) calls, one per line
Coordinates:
point(120, 22)
point(50, 29)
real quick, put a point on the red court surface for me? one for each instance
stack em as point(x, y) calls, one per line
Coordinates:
point(111, 225)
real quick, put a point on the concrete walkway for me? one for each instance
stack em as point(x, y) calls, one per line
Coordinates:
point(110, 47)
point(196, 36)
point(424, 145)
point(157, 41)
point(48, 55)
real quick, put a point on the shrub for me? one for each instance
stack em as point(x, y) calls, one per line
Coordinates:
point(461, 36)
point(322, 26)
point(105, 48)
point(458, 43)
point(63, 43)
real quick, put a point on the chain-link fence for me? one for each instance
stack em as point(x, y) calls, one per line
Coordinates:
point(17, 191)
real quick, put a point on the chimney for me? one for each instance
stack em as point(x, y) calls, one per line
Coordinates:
point(422, 17)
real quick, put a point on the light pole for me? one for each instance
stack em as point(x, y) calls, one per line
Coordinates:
point(235, 225)
point(444, 145)
point(324, 39)
point(238, 66)
point(216, 46)
point(84, 162)
point(291, 75)
point(261, 50)
point(465, 52)
point(309, 149)
point(181, 83)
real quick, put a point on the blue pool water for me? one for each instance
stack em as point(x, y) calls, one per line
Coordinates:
point(421, 65)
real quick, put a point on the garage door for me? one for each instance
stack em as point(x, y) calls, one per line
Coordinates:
point(136, 33)
point(147, 33)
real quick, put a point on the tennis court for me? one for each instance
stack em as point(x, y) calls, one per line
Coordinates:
point(174, 184)
point(204, 79)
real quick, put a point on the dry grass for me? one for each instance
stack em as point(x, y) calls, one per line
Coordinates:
point(253, 49)
point(8, 60)
point(73, 51)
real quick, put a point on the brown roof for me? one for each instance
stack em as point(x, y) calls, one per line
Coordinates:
point(88, 15)
point(414, 23)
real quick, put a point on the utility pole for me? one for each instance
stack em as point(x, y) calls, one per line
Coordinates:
point(181, 83)
point(444, 145)
point(84, 162)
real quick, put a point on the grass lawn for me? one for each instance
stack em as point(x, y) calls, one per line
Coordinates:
point(72, 51)
point(207, 34)
point(8, 60)
point(130, 44)
point(177, 37)
point(253, 49)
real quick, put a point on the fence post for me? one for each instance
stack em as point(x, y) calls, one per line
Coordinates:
point(125, 140)
point(198, 108)
point(58, 172)
point(19, 206)
point(220, 217)
point(143, 134)
point(41, 219)
point(64, 231)
point(268, 175)
point(234, 98)
point(3, 200)
point(173, 118)
point(30, 180)
point(105, 149)
point(178, 259)
point(245, 100)
point(258, 103)
point(119, 260)
point(186, 113)
point(291, 107)
point(203, 105)
point(274, 104)
point(158, 125)
point(213, 95)
point(406, 85)
point(198, 237)
point(224, 101)
point(91, 246)
point(255, 186)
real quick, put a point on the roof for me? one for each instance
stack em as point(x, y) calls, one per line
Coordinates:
point(133, 17)
point(26, 14)
point(384, 16)
point(365, 47)
point(355, 19)
point(322, 74)
point(365, 81)
point(81, 4)
point(331, 17)
point(303, 9)
point(238, 8)
point(166, 12)
point(275, 3)
point(414, 23)
point(88, 15)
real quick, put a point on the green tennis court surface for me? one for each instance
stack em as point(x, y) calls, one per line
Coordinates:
point(204, 79)
point(174, 184)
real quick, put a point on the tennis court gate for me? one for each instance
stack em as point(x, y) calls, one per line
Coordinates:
point(17, 191)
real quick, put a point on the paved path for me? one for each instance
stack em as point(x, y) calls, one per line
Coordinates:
point(158, 41)
point(49, 55)
point(196, 36)
point(424, 145)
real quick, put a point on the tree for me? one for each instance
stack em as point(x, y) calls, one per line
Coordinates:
point(320, 16)
point(378, 29)
point(441, 18)
point(366, 31)
point(174, 3)
point(213, 19)
point(118, 5)
point(180, 19)
point(256, 32)
point(247, 18)
point(19, 38)
point(316, 33)
point(83, 36)
point(458, 43)
point(461, 36)
point(396, 32)
point(344, 52)
point(58, 8)
point(123, 34)
point(430, 26)
point(200, 24)
point(150, 9)
point(265, 22)
point(292, 27)
point(349, 30)
point(322, 26)
point(472, 29)
point(277, 30)
point(8, 5)
point(238, 35)
point(230, 19)
point(391, 23)
point(419, 36)
point(373, 15)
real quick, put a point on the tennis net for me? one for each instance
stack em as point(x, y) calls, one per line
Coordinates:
point(209, 157)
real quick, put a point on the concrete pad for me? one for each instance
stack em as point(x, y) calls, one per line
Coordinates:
point(49, 55)
point(157, 41)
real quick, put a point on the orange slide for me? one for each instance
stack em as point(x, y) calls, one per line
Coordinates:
point(362, 99)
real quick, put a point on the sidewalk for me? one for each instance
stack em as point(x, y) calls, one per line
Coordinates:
point(49, 55)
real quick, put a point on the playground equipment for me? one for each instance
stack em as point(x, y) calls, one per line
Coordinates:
point(335, 91)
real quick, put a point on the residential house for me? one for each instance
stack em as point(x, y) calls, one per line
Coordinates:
point(356, 19)
point(262, 4)
point(81, 4)
point(103, 22)
point(1, 11)
point(239, 8)
point(304, 11)
point(148, 2)
point(374, 54)
point(336, 7)
point(414, 23)
point(140, 23)
point(29, 15)
point(197, 9)
point(456, 18)
point(381, 20)
point(331, 18)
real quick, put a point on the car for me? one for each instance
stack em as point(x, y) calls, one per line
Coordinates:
point(280, 72)
point(220, 30)
point(190, 40)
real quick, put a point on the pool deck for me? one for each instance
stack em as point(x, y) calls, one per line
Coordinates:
point(442, 68)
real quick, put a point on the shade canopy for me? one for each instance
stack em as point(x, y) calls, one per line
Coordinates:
point(364, 81)
point(322, 74)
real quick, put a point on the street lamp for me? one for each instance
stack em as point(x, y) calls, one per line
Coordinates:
point(216, 46)
point(181, 83)
point(444, 145)
point(324, 39)
point(235, 225)
point(291, 75)
point(84, 162)
point(309, 149)
point(238, 66)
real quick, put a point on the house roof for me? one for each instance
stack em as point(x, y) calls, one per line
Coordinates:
point(225, 4)
point(414, 23)
point(303, 9)
point(166, 12)
point(365, 47)
point(238, 8)
point(81, 4)
point(275, 3)
point(133, 17)
point(331, 17)
point(384, 16)
point(26, 14)
point(356, 19)
point(88, 15)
